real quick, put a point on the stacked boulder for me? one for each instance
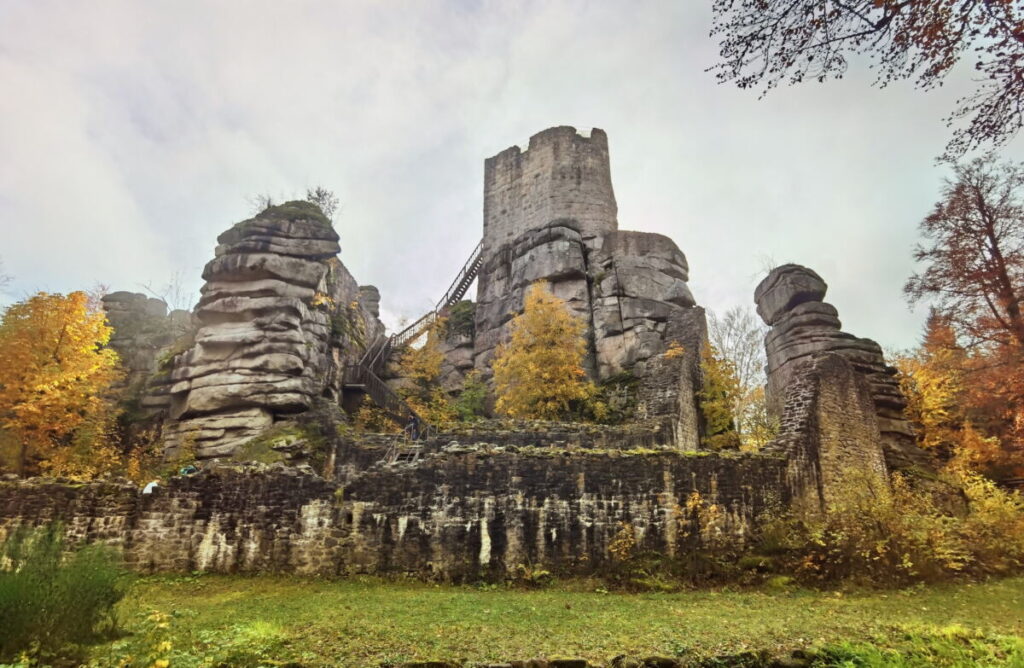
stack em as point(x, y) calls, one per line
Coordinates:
point(639, 281)
point(275, 296)
point(789, 300)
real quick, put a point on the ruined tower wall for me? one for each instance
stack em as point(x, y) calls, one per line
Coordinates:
point(561, 175)
point(829, 432)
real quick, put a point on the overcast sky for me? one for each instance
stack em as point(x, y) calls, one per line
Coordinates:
point(133, 133)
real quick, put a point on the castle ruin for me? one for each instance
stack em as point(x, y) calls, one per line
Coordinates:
point(284, 340)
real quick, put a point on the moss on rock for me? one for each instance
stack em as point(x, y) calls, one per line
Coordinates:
point(296, 210)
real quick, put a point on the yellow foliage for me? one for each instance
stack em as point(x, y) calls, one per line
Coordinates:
point(953, 398)
point(372, 418)
point(759, 427)
point(539, 372)
point(717, 396)
point(675, 350)
point(55, 379)
point(322, 299)
point(622, 545)
point(422, 366)
point(932, 379)
point(906, 534)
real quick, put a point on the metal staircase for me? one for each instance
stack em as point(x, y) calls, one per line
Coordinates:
point(456, 291)
point(364, 375)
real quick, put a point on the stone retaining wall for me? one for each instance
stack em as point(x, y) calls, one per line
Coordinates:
point(448, 516)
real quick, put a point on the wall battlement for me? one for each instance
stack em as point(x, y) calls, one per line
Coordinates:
point(562, 175)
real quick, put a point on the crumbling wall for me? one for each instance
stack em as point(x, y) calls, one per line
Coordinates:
point(225, 520)
point(670, 381)
point(450, 516)
point(460, 516)
point(829, 433)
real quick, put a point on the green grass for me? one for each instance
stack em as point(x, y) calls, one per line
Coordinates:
point(366, 622)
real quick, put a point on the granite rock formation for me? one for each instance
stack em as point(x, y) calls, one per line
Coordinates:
point(143, 331)
point(550, 215)
point(553, 253)
point(639, 286)
point(278, 315)
point(789, 300)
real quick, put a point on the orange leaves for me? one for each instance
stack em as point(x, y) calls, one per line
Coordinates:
point(963, 404)
point(539, 372)
point(55, 373)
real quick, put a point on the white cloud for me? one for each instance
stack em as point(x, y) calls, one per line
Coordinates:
point(133, 134)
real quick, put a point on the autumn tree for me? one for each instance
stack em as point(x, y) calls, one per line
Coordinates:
point(539, 372)
point(973, 276)
point(937, 394)
point(738, 336)
point(766, 42)
point(719, 388)
point(55, 376)
point(951, 402)
point(932, 380)
point(974, 255)
point(421, 368)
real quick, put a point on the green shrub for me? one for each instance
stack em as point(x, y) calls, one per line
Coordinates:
point(461, 319)
point(471, 404)
point(51, 601)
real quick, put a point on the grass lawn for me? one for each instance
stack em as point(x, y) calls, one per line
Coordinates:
point(366, 622)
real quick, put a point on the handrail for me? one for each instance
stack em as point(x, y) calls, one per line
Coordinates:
point(474, 257)
point(365, 371)
point(455, 292)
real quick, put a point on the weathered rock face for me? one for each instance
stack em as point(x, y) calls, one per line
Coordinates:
point(369, 298)
point(639, 285)
point(550, 215)
point(789, 299)
point(278, 315)
point(554, 253)
point(144, 333)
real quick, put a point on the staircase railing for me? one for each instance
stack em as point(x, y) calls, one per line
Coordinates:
point(365, 372)
point(455, 292)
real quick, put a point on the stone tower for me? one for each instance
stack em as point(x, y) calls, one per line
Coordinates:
point(562, 175)
point(550, 215)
